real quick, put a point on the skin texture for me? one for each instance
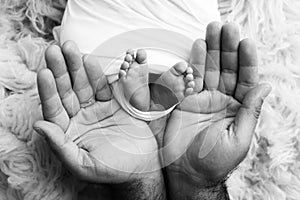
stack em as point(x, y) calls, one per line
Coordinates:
point(210, 132)
point(170, 88)
point(222, 114)
point(173, 86)
point(98, 141)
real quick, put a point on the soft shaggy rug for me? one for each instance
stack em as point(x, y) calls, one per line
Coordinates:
point(30, 171)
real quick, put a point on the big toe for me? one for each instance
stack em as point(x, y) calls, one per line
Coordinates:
point(180, 68)
point(141, 56)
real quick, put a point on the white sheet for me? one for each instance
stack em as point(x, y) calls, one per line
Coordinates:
point(165, 28)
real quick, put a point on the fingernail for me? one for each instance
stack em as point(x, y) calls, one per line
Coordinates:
point(267, 90)
point(264, 90)
point(39, 131)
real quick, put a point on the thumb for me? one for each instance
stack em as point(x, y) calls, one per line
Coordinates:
point(68, 151)
point(52, 132)
point(247, 116)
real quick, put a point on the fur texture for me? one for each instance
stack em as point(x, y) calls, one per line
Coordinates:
point(271, 169)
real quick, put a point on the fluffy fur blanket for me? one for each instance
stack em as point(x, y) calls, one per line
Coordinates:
point(30, 171)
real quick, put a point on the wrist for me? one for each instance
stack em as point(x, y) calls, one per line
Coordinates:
point(93, 191)
point(147, 186)
point(182, 187)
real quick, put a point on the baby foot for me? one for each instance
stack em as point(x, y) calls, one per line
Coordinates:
point(134, 77)
point(173, 85)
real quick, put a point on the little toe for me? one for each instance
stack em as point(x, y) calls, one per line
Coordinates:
point(122, 74)
point(180, 68)
point(141, 56)
point(189, 91)
point(125, 66)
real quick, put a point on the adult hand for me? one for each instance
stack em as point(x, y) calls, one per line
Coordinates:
point(92, 135)
point(210, 132)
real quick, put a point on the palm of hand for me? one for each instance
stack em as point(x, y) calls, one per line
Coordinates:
point(210, 132)
point(106, 140)
point(94, 137)
point(205, 147)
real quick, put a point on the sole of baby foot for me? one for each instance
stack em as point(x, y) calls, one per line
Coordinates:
point(134, 78)
point(173, 85)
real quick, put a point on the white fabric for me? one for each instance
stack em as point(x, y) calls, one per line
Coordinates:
point(107, 28)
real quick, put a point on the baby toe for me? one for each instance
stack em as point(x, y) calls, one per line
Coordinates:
point(189, 70)
point(122, 74)
point(125, 66)
point(180, 67)
point(128, 58)
point(189, 91)
point(191, 84)
point(141, 56)
point(131, 53)
point(189, 77)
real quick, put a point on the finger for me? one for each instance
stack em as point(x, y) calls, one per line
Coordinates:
point(197, 62)
point(212, 63)
point(248, 69)
point(56, 63)
point(247, 116)
point(229, 58)
point(81, 85)
point(53, 110)
point(67, 150)
point(97, 78)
